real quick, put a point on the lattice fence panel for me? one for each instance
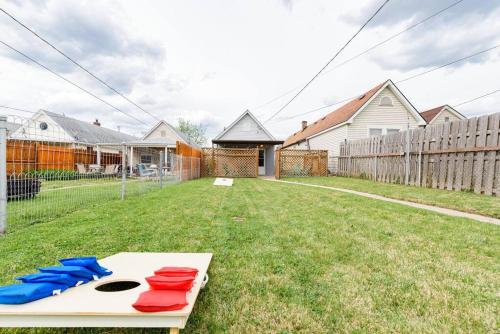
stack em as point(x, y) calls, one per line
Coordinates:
point(301, 163)
point(230, 162)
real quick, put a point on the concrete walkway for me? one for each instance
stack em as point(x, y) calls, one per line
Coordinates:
point(444, 211)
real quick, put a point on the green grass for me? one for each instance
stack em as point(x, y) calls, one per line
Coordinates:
point(297, 259)
point(460, 200)
point(58, 198)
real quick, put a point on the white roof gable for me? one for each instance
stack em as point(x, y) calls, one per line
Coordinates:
point(245, 128)
point(404, 101)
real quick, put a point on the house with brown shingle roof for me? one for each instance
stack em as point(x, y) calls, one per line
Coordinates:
point(381, 110)
point(441, 114)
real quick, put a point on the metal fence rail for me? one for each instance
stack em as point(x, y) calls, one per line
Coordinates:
point(461, 155)
point(45, 175)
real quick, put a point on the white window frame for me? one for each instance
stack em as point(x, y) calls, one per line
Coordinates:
point(146, 155)
point(381, 132)
point(384, 130)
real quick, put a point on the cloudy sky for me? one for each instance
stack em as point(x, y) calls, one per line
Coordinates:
point(208, 61)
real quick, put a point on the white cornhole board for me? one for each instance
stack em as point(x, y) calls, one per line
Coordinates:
point(83, 306)
point(220, 181)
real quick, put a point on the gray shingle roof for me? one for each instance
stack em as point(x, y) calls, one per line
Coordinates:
point(84, 132)
point(11, 127)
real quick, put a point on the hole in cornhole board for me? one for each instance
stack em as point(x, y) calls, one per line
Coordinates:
point(116, 286)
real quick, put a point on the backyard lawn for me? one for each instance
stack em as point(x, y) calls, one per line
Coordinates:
point(460, 200)
point(290, 259)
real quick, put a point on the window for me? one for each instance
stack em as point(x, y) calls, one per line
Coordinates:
point(146, 159)
point(392, 131)
point(375, 132)
point(386, 101)
point(163, 133)
point(446, 119)
point(261, 158)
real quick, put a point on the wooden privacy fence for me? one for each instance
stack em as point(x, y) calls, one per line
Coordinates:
point(25, 155)
point(230, 162)
point(301, 163)
point(190, 161)
point(461, 155)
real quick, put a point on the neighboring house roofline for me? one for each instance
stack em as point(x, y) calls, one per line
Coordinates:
point(179, 133)
point(349, 111)
point(432, 114)
point(247, 112)
point(329, 129)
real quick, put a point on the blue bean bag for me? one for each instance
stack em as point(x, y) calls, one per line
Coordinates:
point(71, 270)
point(28, 292)
point(65, 279)
point(89, 262)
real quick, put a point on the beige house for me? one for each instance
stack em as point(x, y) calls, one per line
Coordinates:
point(381, 110)
point(162, 137)
point(441, 114)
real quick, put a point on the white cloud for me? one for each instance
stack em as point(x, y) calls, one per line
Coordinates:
point(210, 61)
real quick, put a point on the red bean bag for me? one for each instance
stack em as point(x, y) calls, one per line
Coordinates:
point(160, 300)
point(170, 283)
point(177, 272)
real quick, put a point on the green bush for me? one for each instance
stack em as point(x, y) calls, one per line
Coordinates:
point(54, 174)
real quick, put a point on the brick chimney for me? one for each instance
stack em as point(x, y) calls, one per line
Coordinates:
point(97, 122)
point(304, 125)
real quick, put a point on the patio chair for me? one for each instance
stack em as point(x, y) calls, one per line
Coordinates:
point(81, 169)
point(110, 170)
point(145, 172)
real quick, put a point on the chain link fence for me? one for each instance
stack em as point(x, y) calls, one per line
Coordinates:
point(45, 174)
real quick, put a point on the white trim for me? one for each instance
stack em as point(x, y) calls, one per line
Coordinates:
point(247, 112)
point(384, 130)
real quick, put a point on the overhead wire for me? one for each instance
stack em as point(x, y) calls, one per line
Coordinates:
point(328, 63)
point(77, 64)
point(376, 45)
point(71, 82)
point(399, 81)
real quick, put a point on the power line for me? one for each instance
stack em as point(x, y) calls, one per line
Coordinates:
point(77, 64)
point(328, 63)
point(72, 83)
point(477, 98)
point(18, 109)
point(410, 27)
point(399, 81)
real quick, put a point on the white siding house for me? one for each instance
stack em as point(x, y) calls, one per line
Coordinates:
point(247, 132)
point(441, 114)
point(382, 110)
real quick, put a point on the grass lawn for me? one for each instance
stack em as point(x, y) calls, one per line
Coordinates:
point(459, 200)
point(58, 198)
point(290, 259)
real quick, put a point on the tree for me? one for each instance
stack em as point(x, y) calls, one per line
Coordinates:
point(195, 132)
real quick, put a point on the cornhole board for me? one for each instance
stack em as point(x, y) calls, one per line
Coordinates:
point(220, 181)
point(83, 306)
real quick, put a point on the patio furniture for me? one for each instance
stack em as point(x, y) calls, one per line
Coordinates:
point(108, 301)
point(145, 172)
point(94, 168)
point(111, 169)
point(81, 169)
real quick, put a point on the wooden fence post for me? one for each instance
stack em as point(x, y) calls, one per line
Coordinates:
point(3, 175)
point(407, 160)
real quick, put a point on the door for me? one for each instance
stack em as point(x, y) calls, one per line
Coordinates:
point(262, 162)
